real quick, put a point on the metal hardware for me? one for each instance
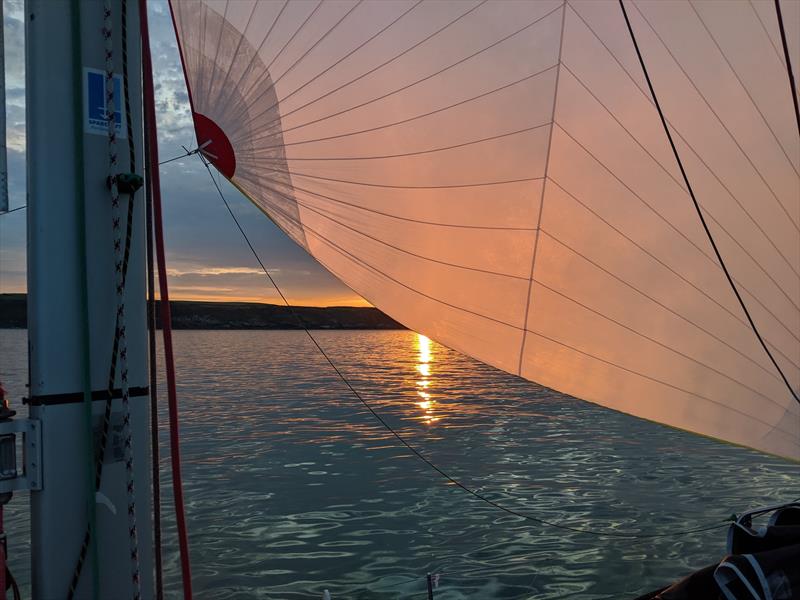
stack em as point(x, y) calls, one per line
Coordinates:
point(30, 476)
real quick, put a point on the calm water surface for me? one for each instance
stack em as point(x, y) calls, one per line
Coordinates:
point(293, 487)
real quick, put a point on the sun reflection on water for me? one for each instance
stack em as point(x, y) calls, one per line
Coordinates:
point(427, 404)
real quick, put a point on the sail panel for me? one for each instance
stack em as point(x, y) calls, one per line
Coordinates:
point(495, 175)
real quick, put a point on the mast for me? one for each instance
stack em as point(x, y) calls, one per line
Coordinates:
point(69, 199)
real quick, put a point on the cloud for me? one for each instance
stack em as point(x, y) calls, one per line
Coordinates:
point(205, 271)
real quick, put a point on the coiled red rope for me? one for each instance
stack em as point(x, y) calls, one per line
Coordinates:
point(166, 317)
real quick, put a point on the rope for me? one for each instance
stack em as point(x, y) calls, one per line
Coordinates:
point(697, 205)
point(127, 440)
point(151, 339)
point(787, 56)
point(166, 316)
point(8, 212)
point(479, 496)
point(184, 155)
point(120, 343)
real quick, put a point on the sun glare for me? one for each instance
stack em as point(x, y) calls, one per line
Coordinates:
point(424, 360)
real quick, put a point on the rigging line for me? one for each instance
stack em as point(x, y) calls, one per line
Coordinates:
point(8, 212)
point(792, 84)
point(409, 119)
point(738, 318)
point(256, 159)
point(359, 77)
point(624, 69)
point(697, 205)
point(743, 86)
point(678, 231)
point(246, 71)
point(148, 95)
point(184, 155)
point(526, 279)
point(349, 54)
point(155, 460)
point(769, 37)
point(683, 190)
point(717, 117)
point(478, 495)
point(364, 264)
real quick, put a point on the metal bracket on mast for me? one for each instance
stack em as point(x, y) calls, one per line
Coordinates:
point(29, 476)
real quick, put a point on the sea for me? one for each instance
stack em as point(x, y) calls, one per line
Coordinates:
point(293, 486)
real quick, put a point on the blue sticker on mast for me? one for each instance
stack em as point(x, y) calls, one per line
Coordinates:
point(94, 104)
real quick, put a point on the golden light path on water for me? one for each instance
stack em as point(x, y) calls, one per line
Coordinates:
point(425, 357)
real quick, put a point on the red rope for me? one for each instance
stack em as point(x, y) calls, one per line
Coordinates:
point(166, 317)
point(2, 551)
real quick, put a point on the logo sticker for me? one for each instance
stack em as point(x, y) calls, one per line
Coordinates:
point(94, 104)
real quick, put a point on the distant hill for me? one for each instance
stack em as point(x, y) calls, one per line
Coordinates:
point(236, 315)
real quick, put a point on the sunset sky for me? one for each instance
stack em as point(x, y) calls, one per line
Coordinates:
point(207, 257)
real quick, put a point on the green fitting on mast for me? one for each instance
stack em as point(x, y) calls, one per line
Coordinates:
point(127, 183)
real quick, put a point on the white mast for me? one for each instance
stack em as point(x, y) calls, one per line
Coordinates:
point(55, 305)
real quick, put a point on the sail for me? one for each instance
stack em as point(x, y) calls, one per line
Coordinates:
point(495, 175)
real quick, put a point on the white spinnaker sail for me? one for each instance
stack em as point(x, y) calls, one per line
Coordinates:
point(495, 176)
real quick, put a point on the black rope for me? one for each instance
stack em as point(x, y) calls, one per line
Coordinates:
point(697, 205)
point(112, 371)
point(787, 56)
point(724, 186)
point(8, 212)
point(707, 255)
point(744, 87)
point(706, 527)
point(713, 111)
point(184, 155)
point(152, 368)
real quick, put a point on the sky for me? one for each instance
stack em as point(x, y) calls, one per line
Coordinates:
point(207, 257)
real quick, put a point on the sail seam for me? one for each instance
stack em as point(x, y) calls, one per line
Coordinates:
point(385, 424)
point(672, 226)
point(568, 346)
point(696, 203)
point(524, 329)
point(541, 197)
point(719, 119)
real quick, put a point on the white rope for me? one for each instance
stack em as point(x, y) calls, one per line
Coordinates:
point(120, 292)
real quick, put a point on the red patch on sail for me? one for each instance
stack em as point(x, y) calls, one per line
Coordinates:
point(215, 145)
